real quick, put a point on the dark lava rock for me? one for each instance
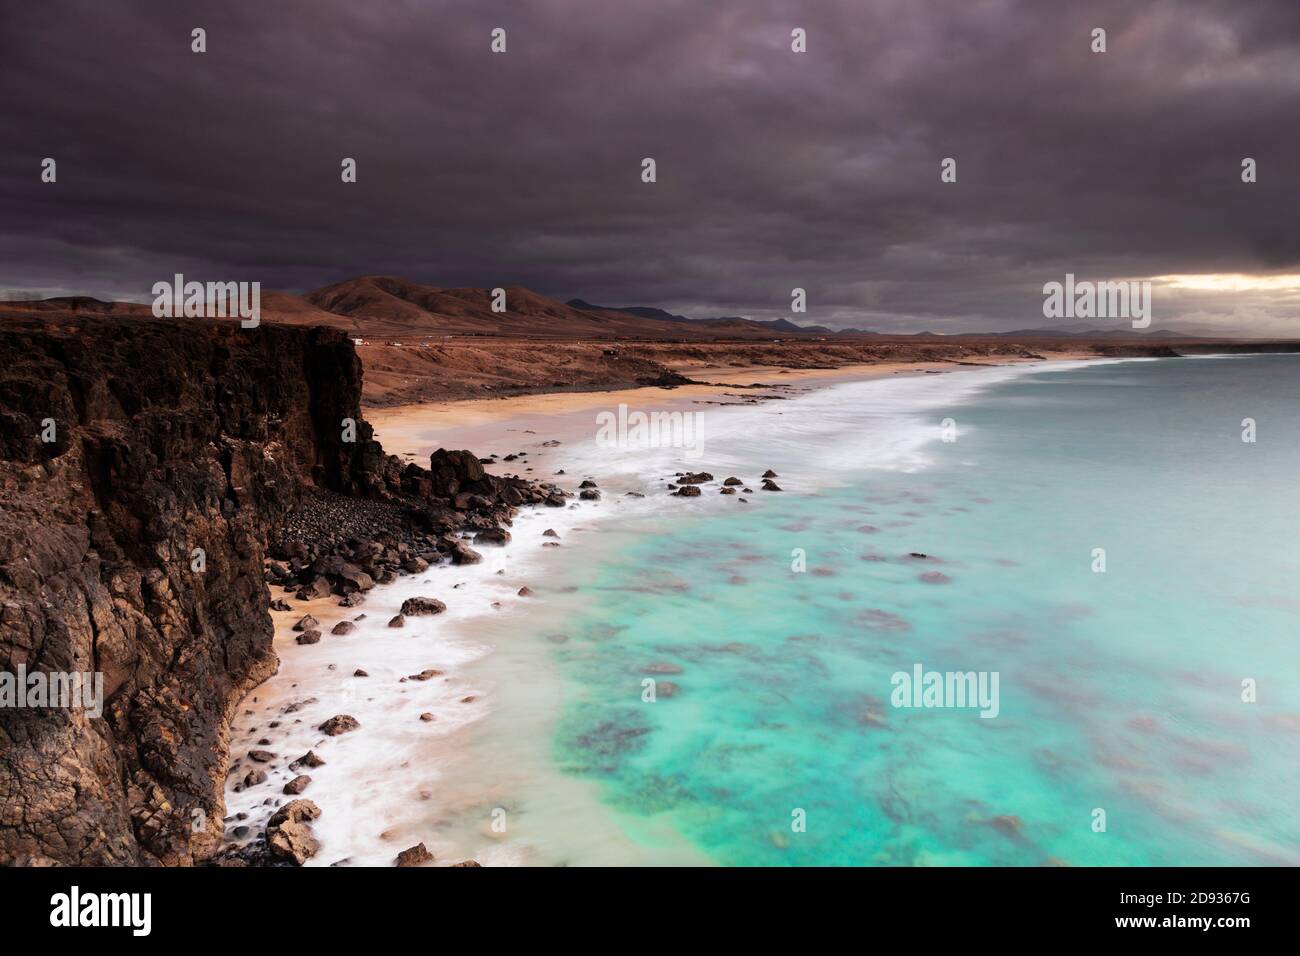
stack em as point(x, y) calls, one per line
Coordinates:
point(297, 785)
point(339, 724)
point(492, 536)
point(397, 620)
point(591, 494)
point(422, 605)
point(550, 533)
point(261, 756)
point(343, 627)
point(769, 485)
point(306, 623)
point(308, 637)
point(733, 481)
point(694, 479)
point(770, 474)
point(309, 759)
point(414, 856)
point(525, 591)
point(588, 483)
point(688, 491)
point(279, 604)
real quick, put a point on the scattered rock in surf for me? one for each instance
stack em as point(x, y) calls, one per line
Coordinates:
point(666, 688)
point(305, 623)
point(297, 785)
point(525, 591)
point(360, 673)
point(935, 577)
point(748, 491)
point(343, 627)
point(254, 777)
point(590, 494)
point(261, 756)
point(697, 478)
point(354, 599)
point(492, 536)
point(397, 620)
point(554, 501)
point(426, 717)
point(662, 668)
point(550, 533)
point(339, 724)
point(279, 604)
point(770, 485)
point(467, 863)
point(587, 483)
point(634, 494)
point(426, 674)
point(732, 481)
point(688, 491)
point(414, 856)
point(726, 491)
point(422, 605)
point(309, 759)
point(468, 700)
point(770, 474)
point(308, 637)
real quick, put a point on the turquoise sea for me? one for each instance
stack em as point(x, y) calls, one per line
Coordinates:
point(1120, 691)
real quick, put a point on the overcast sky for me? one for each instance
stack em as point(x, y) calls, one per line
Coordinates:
point(776, 169)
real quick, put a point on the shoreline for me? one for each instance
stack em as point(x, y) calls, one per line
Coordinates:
point(412, 754)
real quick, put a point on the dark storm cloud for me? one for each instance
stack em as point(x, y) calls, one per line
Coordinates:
point(775, 169)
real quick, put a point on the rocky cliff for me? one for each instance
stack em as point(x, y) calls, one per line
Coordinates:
point(145, 467)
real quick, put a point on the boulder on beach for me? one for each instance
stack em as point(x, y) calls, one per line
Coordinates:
point(254, 777)
point(588, 483)
point(422, 605)
point(279, 604)
point(727, 491)
point(590, 494)
point(525, 591)
point(732, 481)
point(550, 533)
point(770, 485)
point(414, 856)
point(318, 588)
point(339, 724)
point(343, 627)
point(697, 478)
point(305, 623)
point(467, 863)
point(461, 553)
point(397, 620)
point(688, 491)
point(261, 756)
point(426, 674)
point(770, 474)
point(297, 785)
point(492, 536)
point(309, 637)
point(288, 833)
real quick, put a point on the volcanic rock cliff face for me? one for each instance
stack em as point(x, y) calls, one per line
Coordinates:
point(167, 437)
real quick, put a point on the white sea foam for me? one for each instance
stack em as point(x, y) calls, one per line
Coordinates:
point(400, 780)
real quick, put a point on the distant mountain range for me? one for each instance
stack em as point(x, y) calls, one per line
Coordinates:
point(387, 308)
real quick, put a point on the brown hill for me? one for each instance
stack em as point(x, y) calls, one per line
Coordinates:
point(393, 308)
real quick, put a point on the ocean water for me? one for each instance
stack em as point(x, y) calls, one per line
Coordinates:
point(1119, 691)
